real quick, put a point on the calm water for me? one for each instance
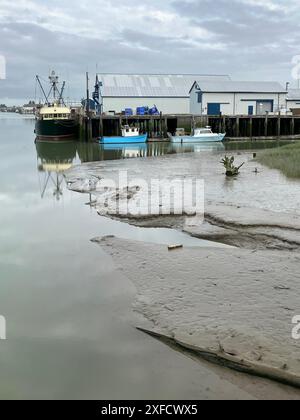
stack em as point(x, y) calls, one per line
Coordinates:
point(70, 327)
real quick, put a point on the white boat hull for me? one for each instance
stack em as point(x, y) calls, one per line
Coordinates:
point(198, 139)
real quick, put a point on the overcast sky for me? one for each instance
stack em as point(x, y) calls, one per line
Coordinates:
point(248, 39)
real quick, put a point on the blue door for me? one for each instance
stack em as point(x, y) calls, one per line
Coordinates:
point(213, 109)
point(250, 110)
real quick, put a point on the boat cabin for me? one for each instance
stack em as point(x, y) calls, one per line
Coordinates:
point(54, 113)
point(201, 131)
point(130, 131)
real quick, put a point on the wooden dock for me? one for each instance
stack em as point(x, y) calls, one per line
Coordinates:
point(239, 127)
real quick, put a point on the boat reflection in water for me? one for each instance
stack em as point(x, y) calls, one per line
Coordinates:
point(126, 151)
point(54, 159)
point(95, 152)
point(198, 147)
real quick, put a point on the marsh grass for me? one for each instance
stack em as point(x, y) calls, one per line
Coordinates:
point(285, 158)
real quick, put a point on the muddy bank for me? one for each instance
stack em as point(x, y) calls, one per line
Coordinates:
point(257, 210)
point(247, 227)
point(233, 306)
point(230, 306)
point(256, 187)
point(235, 226)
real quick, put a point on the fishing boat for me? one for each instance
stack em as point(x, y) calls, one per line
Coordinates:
point(55, 120)
point(129, 135)
point(200, 135)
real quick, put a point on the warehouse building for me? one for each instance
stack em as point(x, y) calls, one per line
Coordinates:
point(236, 98)
point(170, 93)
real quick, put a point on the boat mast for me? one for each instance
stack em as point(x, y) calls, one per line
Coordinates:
point(57, 95)
point(61, 94)
point(42, 89)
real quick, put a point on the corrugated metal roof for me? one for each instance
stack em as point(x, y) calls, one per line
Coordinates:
point(152, 85)
point(293, 95)
point(243, 87)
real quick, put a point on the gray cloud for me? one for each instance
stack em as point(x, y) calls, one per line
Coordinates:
point(249, 39)
point(261, 40)
point(240, 24)
point(30, 49)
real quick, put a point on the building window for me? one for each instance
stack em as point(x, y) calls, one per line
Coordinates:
point(199, 97)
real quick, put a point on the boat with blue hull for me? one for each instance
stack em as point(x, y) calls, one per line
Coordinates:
point(130, 135)
point(200, 135)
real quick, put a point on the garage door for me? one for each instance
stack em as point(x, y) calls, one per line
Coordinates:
point(213, 109)
point(262, 107)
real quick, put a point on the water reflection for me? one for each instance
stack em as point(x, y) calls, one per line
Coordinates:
point(54, 159)
point(97, 152)
point(197, 148)
point(255, 145)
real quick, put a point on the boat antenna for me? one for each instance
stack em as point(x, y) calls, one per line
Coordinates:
point(42, 89)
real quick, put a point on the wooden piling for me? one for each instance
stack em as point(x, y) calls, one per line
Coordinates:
point(292, 126)
point(223, 124)
point(266, 125)
point(279, 125)
point(220, 124)
point(237, 126)
point(166, 128)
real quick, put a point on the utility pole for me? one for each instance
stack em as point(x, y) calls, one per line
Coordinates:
point(87, 119)
point(101, 109)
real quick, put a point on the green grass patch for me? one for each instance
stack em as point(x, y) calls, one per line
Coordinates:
point(285, 158)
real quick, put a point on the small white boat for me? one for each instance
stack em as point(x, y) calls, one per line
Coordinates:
point(200, 135)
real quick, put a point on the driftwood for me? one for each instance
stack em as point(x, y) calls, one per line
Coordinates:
point(174, 247)
point(231, 169)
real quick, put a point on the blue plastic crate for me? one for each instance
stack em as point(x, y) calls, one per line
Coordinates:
point(153, 111)
point(128, 111)
point(140, 110)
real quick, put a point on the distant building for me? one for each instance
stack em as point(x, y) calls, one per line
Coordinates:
point(28, 108)
point(169, 92)
point(236, 98)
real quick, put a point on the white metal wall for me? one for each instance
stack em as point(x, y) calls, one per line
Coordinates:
point(292, 105)
point(164, 105)
point(234, 104)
